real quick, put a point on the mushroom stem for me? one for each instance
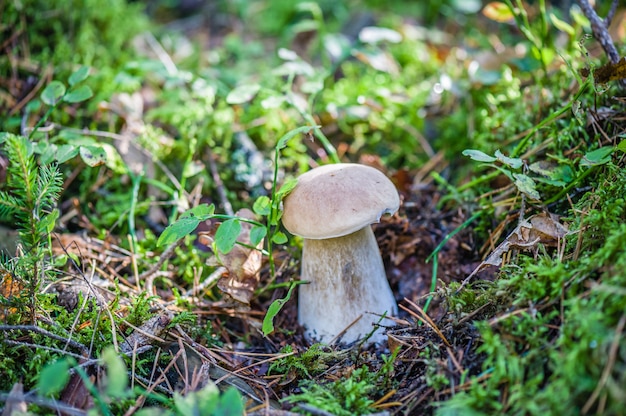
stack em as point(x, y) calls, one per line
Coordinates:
point(347, 280)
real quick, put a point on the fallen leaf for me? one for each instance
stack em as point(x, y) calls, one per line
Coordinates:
point(610, 72)
point(543, 228)
point(149, 333)
point(14, 402)
point(76, 394)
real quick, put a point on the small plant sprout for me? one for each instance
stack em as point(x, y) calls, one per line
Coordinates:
point(332, 208)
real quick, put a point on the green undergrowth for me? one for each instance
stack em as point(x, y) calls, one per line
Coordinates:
point(556, 342)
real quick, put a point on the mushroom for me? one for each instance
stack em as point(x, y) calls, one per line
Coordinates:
point(332, 207)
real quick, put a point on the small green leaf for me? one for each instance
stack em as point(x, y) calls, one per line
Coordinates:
point(79, 94)
point(272, 102)
point(562, 25)
point(185, 225)
point(514, 163)
point(257, 234)
point(526, 185)
point(227, 234)
point(286, 188)
point(273, 309)
point(262, 206)
point(243, 93)
point(65, 152)
point(282, 142)
point(179, 229)
point(53, 93)
point(279, 238)
point(93, 155)
point(621, 146)
point(597, 157)
point(202, 211)
point(79, 75)
point(117, 378)
point(478, 156)
point(54, 377)
point(48, 221)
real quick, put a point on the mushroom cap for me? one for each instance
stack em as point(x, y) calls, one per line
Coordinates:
point(335, 200)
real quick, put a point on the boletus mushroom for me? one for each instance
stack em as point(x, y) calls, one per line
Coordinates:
point(332, 208)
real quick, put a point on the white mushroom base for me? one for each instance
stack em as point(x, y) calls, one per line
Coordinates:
point(347, 281)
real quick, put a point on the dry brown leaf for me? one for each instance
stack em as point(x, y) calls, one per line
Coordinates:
point(243, 265)
point(610, 72)
point(9, 288)
point(149, 333)
point(543, 228)
point(15, 404)
point(76, 394)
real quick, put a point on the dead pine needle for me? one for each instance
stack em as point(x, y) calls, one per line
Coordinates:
point(424, 318)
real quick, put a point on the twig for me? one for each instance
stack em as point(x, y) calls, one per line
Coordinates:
point(600, 28)
point(41, 401)
point(425, 319)
point(219, 184)
point(41, 331)
point(169, 252)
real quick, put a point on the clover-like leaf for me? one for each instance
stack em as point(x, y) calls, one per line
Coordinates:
point(226, 235)
point(53, 93)
point(79, 75)
point(79, 94)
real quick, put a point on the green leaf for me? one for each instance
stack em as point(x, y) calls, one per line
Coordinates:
point(53, 93)
point(526, 185)
point(185, 225)
point(93, 155)
point(79, 94)
point(279, 238)
point(203, 211)
point(257, 234)
point(286, 188)
point(243, 93)
point(621, 146)
point(562, 25)
point(515, 163)
point(54, 377)
point(231, 404)
point(273, 309)
point(293, 133)
point(117, 378)
point(65, 152)
point(597, 157)
point(262, 206)
point(179, 229)
point(79, 75)
point(48, 221)
point(227, 234)
point(478, 156)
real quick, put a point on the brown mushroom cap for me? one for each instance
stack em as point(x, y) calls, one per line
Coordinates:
point(335, 200)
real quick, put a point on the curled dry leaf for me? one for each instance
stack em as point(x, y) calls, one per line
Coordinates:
point(149, 333)
point(543, 228)
point(243, 264)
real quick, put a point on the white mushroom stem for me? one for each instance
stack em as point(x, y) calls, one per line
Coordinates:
point(347, 281)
